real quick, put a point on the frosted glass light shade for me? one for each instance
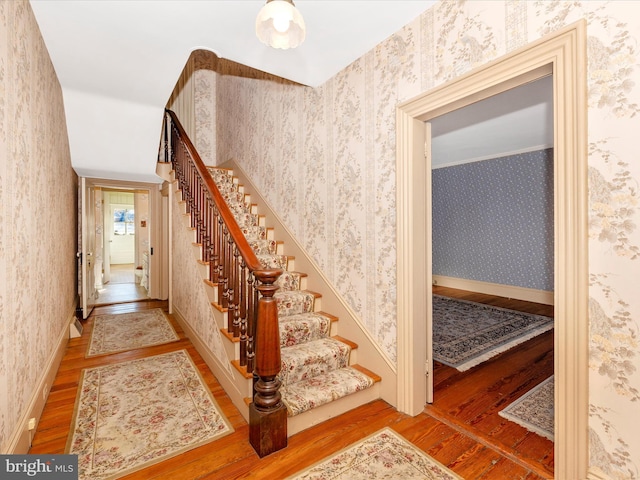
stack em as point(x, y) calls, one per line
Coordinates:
point(280, 25)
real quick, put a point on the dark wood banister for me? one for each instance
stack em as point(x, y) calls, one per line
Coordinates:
point(239, 239)
point(244, 287)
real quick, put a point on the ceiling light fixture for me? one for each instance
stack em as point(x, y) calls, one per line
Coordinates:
point(280, 25)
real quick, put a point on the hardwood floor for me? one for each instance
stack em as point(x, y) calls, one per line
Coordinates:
point(122, 287)
point(459, 430)
point(471, 400)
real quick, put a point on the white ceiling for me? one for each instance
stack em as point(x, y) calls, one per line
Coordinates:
point(516, 121)
point(118, 61)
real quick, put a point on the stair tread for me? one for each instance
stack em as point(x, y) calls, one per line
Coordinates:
point(374, 376)
point(319, 390)
point(351, 344)
point(296, 293)
point(242, 369)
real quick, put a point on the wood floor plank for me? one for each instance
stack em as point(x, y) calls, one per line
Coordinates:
point(505, 469)
point(472, 400)
point(474, 462)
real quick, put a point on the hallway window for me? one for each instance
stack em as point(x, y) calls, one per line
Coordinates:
point(123, 221)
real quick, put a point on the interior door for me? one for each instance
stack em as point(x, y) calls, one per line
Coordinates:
point(429, 261)
point(89, 293)
point(107, 222)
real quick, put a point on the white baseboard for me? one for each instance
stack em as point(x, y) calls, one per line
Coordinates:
point(20, 441)
point(508, 291)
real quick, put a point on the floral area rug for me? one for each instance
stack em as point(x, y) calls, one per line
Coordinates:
point(534, 410)
point(383, 455)
point(466, 334)
point(132, 414)
point(127, 331)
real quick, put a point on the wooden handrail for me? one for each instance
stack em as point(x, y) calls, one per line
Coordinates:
point(239, 239)
point(243, 287)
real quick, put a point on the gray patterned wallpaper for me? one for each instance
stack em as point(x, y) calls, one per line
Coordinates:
point(493, 220)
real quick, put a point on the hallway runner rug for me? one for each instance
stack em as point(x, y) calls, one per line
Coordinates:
point(133, 414)
point(466, 334)
point(127, 331)
point(534, 410)
point(383, 455)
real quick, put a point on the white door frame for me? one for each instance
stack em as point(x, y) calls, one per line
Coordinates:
point(158, 261)
point(88, 291)
point(563, 54)
point(107, 233)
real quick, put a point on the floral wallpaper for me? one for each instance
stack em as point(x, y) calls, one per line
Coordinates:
point(38, 212)
point(204, 75)
point(493, 220)
point(325, 159)
point(189, 295)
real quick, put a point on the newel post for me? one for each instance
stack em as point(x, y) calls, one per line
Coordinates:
point(267, 413)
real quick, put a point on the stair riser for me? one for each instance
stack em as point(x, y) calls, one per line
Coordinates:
point(303, 331)
point(231, 348)
point(290, 281)
point(287, 308)
point(325, 412)
point(197, 251)
point(212, 292)
point(308, 360)
point(203, 269)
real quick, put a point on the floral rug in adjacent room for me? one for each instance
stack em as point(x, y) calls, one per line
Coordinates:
point(383, 455)
point(126, 331)
point(133, 414)
point(466, 334)
point(534, 410)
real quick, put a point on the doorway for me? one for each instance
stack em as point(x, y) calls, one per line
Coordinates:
point(125, 239)
point(493, 223)
point(562, 54)
point(492, 266)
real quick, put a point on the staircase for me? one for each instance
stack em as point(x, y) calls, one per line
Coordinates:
point(291, 363)
point(318, 366)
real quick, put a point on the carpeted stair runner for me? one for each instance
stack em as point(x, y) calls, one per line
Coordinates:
point(304, 327)
point(315, 366)
point(320, 390)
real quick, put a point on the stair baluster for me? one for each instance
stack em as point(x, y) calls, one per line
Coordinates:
point(242, 312)
point(252, 301)
point(220, 235)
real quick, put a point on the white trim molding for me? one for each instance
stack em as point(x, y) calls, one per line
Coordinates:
point(488, 288)
point(562, 54)
point(20, 441)
point(511, 153)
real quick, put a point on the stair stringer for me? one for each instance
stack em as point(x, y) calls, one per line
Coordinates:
point(235, 384)
point(349, 325)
